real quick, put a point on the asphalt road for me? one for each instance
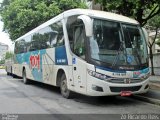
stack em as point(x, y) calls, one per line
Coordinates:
point(41, 99)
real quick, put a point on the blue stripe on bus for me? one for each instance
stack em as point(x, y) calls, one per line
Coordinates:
point(24, 58)
point(136, 74)
point(61, 56)
point(110, 70)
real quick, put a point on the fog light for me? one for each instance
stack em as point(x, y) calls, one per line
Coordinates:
point(97, 88)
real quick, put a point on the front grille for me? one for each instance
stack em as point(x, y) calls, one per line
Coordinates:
point(119, 89)
point(123, 82)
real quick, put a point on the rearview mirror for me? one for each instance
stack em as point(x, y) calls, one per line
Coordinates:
point(145, 34)
point(88, 24)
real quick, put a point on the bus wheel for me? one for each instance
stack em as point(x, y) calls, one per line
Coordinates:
point(63, 86)
point(25, 80)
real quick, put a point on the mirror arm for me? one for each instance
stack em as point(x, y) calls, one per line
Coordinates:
point(88, 22)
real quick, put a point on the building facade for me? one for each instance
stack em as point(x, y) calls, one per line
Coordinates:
point(3, 50)
point(155, 48)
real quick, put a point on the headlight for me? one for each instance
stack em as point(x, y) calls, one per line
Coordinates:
point(117, 80)
point(144, 77)
point(97, 75)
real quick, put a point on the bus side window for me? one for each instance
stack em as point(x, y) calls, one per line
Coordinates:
point(57, 34)
point(70, 30)
point(16, 47)
point(79, 40)
point(76, 36)
point(60, 40)
point(53, 38)
point(27, 42)
point(20, 47)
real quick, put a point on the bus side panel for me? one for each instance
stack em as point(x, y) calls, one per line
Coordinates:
point(32, 62)
point(8, 65)
point(48, 64)
point(61, 63)
point(17, 70)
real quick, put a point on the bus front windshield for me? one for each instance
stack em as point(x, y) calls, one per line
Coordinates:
point(118, 44)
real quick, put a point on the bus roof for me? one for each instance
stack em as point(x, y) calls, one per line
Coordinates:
point(91, 13)
point(100, 14)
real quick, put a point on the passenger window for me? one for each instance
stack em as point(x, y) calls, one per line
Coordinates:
point(16, 47)
point(57, 31)
point(40, 40)
point(70, 29)
point(20, 46)
point(79, 41)
point(48, 37)
point(76, 36)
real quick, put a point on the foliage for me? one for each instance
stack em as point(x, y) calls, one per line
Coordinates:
point(69, 4)
point(158, 42)
point(154, 24)
point(8, 55)
point(4, 4)
point(2, 62)
point(21, 16)
point(141, 10)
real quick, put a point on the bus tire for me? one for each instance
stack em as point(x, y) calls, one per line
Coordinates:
point(25, 80)
point(14, 76)
point(63, 87)
point(8, 73)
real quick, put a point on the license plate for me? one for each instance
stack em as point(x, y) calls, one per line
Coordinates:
point(126, 93)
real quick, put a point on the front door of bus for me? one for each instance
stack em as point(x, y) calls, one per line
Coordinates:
point(78, 60)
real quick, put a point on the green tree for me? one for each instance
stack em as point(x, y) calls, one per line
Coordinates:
point(8, 55)
point(4, 4)
point(21, 16)
point(69, 4)
point(141, 10)
point(154, 23)
point(158, 42)
point(2, 61)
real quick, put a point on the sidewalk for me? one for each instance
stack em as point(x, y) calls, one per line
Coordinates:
point(154, 83)
point(154, 78)
point(153, 95)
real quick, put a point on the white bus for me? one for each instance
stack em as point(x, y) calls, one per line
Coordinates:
point(8, 65)
point(90, 52)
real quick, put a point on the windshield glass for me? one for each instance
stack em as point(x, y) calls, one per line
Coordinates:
point(117, 44)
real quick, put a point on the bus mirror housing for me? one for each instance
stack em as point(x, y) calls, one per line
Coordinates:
point(88, 23)
point(145, 34)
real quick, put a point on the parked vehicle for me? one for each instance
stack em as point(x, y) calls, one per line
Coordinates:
point(90, 52)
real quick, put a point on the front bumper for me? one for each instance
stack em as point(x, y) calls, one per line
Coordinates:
point(97, 87)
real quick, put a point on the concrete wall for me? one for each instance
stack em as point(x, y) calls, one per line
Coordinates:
point(156, 63)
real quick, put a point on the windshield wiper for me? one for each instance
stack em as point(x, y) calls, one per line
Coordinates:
point(117, 55)
point(138, 56)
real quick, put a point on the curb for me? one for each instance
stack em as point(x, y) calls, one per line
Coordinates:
point(154, 86)
point(147, 99)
